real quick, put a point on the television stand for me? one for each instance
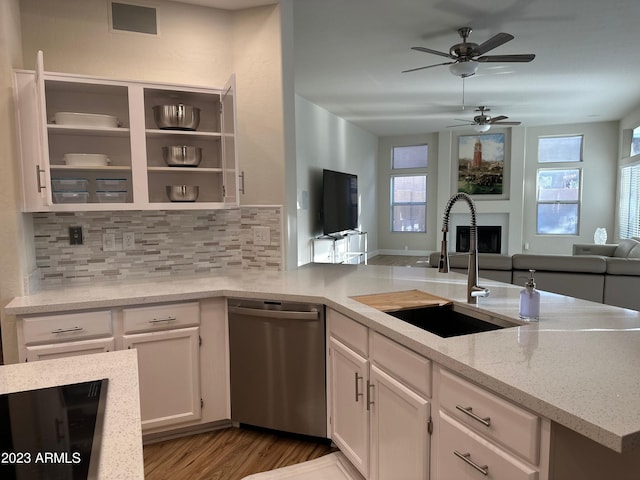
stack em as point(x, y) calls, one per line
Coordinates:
point(348, 247)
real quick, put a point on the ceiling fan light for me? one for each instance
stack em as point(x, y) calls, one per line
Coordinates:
point(464, 68)
point(482, 127)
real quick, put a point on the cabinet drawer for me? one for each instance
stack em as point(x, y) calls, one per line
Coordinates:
point(350, 332)
point(69, 349)
point(490, 415)
point(410, 368)
point(66, 327)
point(161, 317)
point(463, 454)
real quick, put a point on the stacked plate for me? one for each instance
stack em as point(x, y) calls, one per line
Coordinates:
point(91, 120)
point(86, 159)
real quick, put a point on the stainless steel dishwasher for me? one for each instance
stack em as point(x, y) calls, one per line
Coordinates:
point(277, 359)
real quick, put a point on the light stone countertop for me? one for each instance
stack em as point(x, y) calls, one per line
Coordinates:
point(579, 366)
point(121, 447)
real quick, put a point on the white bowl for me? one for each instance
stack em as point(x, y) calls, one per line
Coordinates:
point(85, 120)
point(86, 159)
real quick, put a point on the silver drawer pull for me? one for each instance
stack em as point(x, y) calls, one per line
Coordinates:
point(67, 330)
point(466, 457)
point(38, 172)
point(369, 401)
point(165, 319)
point(358, 394)
point(486, 421)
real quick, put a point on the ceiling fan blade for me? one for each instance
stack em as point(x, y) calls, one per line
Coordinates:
point(434, 52)
point(505, 123)
point(461, 125)
point(428, 66)
point(498, 119)
point(526, 57)
point(493, 42)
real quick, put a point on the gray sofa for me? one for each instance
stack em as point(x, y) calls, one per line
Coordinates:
point(601, 273)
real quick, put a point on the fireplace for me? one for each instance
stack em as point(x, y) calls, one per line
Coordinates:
point(489, 238)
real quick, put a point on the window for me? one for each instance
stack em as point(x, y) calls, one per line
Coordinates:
point(409, 190)
point(408, 203)
point(635, 141)
point(558, 201)
point(414, 156)
point(630, 201)
point(560, 149)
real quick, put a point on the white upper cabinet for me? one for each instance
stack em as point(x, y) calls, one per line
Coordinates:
point(88, 143)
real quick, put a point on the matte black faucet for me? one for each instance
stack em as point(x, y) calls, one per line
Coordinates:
point(473, 290)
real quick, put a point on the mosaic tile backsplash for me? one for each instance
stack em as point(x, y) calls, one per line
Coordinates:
point(166, 242)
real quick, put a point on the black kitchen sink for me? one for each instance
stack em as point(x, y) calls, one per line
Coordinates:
point(445, 321)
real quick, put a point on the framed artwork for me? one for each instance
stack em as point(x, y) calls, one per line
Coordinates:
point(481, 164)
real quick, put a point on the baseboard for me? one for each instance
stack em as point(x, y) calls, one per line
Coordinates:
point(408, 253)
point(149, 438)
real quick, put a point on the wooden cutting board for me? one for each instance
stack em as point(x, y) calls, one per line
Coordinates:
point(392, 301)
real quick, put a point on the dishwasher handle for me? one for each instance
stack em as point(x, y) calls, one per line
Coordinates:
point(280, 314)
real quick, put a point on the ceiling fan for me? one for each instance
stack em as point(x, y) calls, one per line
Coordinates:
point(467, 55)
point(482, 122)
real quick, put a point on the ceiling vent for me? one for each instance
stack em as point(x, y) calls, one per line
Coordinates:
point(134, 18)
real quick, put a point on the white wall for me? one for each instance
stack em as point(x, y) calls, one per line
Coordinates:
point(194, 45)
point(16, 229)
point(324, 140)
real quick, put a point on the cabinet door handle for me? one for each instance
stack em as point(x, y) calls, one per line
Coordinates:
point(369, 401)
point(466, 457)
point(38, 172)
point(486, 421)
point(67, 330)
point(166, 319)
point(358, 394)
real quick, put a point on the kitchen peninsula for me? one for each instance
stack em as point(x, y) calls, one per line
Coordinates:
point(577, 367)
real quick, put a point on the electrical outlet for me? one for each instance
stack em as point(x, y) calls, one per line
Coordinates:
point(75, 235)
point(128, 241)
point(261, 236)
point(108, 242)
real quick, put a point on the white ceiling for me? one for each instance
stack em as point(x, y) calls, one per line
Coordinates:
point(349, 55)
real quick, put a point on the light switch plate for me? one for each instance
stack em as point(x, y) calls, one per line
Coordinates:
point(128, 241)
point(108, 242)
point(261, 236)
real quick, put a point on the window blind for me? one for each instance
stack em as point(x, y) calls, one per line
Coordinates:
point(630, 201)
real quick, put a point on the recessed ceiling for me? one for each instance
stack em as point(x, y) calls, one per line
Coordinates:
point(349, 56)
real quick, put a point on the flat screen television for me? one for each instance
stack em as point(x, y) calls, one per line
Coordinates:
point(339, 201)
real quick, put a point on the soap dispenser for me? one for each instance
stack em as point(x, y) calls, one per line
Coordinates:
point(530, 300)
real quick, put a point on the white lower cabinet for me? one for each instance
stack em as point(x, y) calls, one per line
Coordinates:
point(399, 430)
point(377, 418)
point(65, 335)
point(348, 379)
point(463, 454)
point(182, 355)
point(481, 435)
point(169, 370)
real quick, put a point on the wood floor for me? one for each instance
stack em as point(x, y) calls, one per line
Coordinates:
point(228, 454)
point(399, 260)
